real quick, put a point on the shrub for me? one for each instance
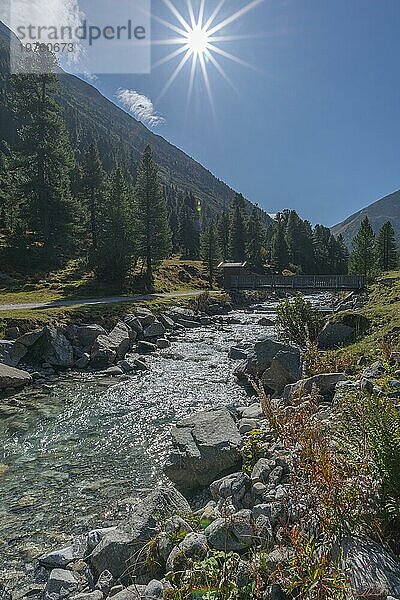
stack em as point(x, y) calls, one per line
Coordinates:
point(298, 321)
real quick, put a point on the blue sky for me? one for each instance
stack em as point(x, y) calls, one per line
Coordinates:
point(316, 128)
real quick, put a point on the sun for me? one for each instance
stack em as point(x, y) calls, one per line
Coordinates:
point(198, 37)
point(197, 40)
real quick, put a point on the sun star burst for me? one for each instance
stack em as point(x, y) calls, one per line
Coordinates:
point(198, 44)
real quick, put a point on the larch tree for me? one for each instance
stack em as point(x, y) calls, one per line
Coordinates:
point(238, 230)
point(50, 210)
point(362, 259)
point(210, 251)
point(115, 235)
point(153, 232)
point(91, 189)
point(256, 240)
point(223, 234)
point(279, 248)
point(386, 248)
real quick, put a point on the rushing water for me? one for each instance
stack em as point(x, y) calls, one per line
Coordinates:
point(76, 455)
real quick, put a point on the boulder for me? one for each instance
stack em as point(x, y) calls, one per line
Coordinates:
point(12, 333)
point(28, 339)
point(11, 352)
point(59, 558)
point(253, 412)
point(166, 321)
point(145, 317)
point(146, 347)
point(262, 355)
point(86, 335)
point(265, 322)
point(108, 348)
point(61, 584)
point(324, 383)
point(154, 590)
point(231, 534)
point(53, 348)
point(370, 567)
point(134, 324)
point(13, 378)
point(189, 324)
point(155, 330)
point(334, 335)
point(236, 487)
point(375, 370)
point(119, 550)
point(133, 592)
point(83, 361)
point(96, 595)
point(284, 370)
point(193, 547)
point(95, 536)
point(178, 314)
point(239, 352)
point(105, 582)
point(162, 343)
point(205, 448)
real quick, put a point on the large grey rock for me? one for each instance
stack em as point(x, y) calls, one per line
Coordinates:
point(370, 567)
point(121, 551)
point(53, 348)
point(166, 321)
point(30, 338)
point(334, 335)
point(109, 348)
point(375, 370)
point(134, 324)
point(193, 547)
point(178, 314)
point(205, 448)
point(154, 590)
point(324, 383)
point(155, 330)
point(133, 592)
point(232, 534)
point(59, 558)
point(145, 317)
point(13, 378)
point(86, 335)
point(61, 584)
point(284, 370)
point(11, 352)
point(262, 355)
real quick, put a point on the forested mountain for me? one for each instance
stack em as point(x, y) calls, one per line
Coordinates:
point(378, 213)
point(121, 139)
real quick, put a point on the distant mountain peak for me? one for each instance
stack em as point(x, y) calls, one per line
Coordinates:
point(378, 213)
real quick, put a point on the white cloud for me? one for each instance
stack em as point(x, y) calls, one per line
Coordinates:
point(140, 106)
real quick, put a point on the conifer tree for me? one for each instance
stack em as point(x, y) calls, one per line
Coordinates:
point(362, 259)
point(210, 251)
point(153, 231)
point(339, 255)
point(92, 188)
point(386, 248)
point(189, 228)
point(299, 240)
point(256, 239)
point(223, 234)
point(9, 176)
point(115, 234)
point(279, 249)
point(50, 210)
point(238, 230)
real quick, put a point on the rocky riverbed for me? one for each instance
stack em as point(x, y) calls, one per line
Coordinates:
point(78, 449)
point(84, 456)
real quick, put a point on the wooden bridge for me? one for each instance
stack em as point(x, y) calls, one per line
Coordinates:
point(297, 282)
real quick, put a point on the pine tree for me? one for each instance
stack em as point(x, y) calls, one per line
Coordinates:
point(386, 248)
point(115, 234)
point(9, 177)
point(223, 234)
point(322, 237)
point(189, 228)
point(210, 251)
point(238, 230)
point(47, 160)
point(338, 255)
point(91, 188)
point(362, 259)
point(256, 239)
point(299, 239)
point(153, 231)
point(279, 249)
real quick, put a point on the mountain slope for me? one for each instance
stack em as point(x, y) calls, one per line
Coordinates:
point(385, 209)
point(121, 139)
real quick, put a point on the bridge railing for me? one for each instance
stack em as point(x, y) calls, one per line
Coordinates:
point(299, 282)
